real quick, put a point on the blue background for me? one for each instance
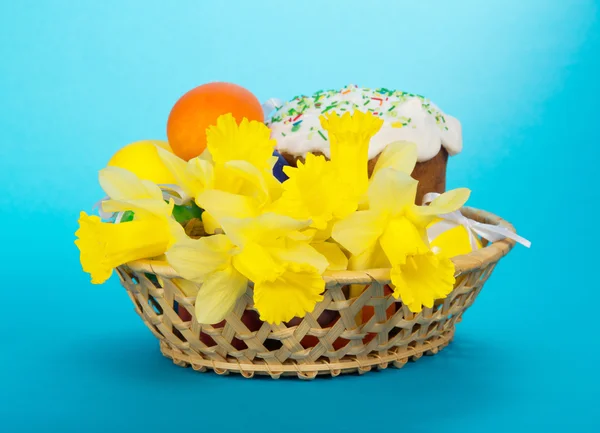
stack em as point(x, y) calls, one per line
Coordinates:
point(78, 80)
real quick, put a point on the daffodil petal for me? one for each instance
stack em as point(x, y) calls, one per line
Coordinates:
point(121, 184)
point(221, 204)
point(323, 235)
point(399, 155)
point(336, 259)
point(392, 191)
point(298, 253)
point(253, 177)
point(202, 175)
point(188, 174)
point(451, 240)
point(206, 156)
point(272, 161)
point(450, 201)
point(187, 287)
point(218, 294)
point(423, 279)
point(307, 235)
point(446, 202)
point(256, 263)
point(210, 223)
point(194, 259)
point(287, 207)
point(359, 231)
point(274, 186)
point(260, 229)
point(176, 231)
point(293, 294)
point(402, 238)
point(372, 258)
point(140, 206)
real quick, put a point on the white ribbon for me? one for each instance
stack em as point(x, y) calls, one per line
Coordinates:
point(450, 220)
point(179, 198)
point(108, 215)
point(101, 213)
point(270, 105)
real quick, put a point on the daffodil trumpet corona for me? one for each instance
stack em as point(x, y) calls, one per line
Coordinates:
point(279, 238)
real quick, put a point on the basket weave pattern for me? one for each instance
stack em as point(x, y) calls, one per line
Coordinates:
point(390, 337)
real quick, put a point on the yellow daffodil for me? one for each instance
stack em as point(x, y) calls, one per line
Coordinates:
point(243, 158)
point(395, 227)
point(227, 145)
point(239, 161)
point(349, 137)
point(327, 191)
point(104, 246)
point(422, 279)
point(249, 141)
point(264, 249)
point(313, 191)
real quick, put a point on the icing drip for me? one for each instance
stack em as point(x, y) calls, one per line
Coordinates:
point(407, 116)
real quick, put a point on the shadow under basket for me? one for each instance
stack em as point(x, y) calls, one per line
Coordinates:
point(326, 341)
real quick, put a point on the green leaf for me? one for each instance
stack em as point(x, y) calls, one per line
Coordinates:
point(127, 216)
point(183, 214)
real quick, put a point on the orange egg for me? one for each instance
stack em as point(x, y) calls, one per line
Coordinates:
point(199, 108)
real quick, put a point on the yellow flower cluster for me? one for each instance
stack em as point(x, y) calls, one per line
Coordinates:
point(280, 237)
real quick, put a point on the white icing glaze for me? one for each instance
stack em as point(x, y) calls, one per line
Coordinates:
point(409, 117)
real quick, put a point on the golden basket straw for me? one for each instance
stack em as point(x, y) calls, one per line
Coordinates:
point(340, 347)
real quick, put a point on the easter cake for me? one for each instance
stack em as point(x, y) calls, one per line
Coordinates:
point(406, 117)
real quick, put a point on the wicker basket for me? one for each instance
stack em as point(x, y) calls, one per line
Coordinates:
point(391, 336)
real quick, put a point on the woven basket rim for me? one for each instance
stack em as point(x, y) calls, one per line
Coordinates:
point(464, 263)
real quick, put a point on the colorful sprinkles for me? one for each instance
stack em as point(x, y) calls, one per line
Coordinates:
point(299, 117)
point(365, 99)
